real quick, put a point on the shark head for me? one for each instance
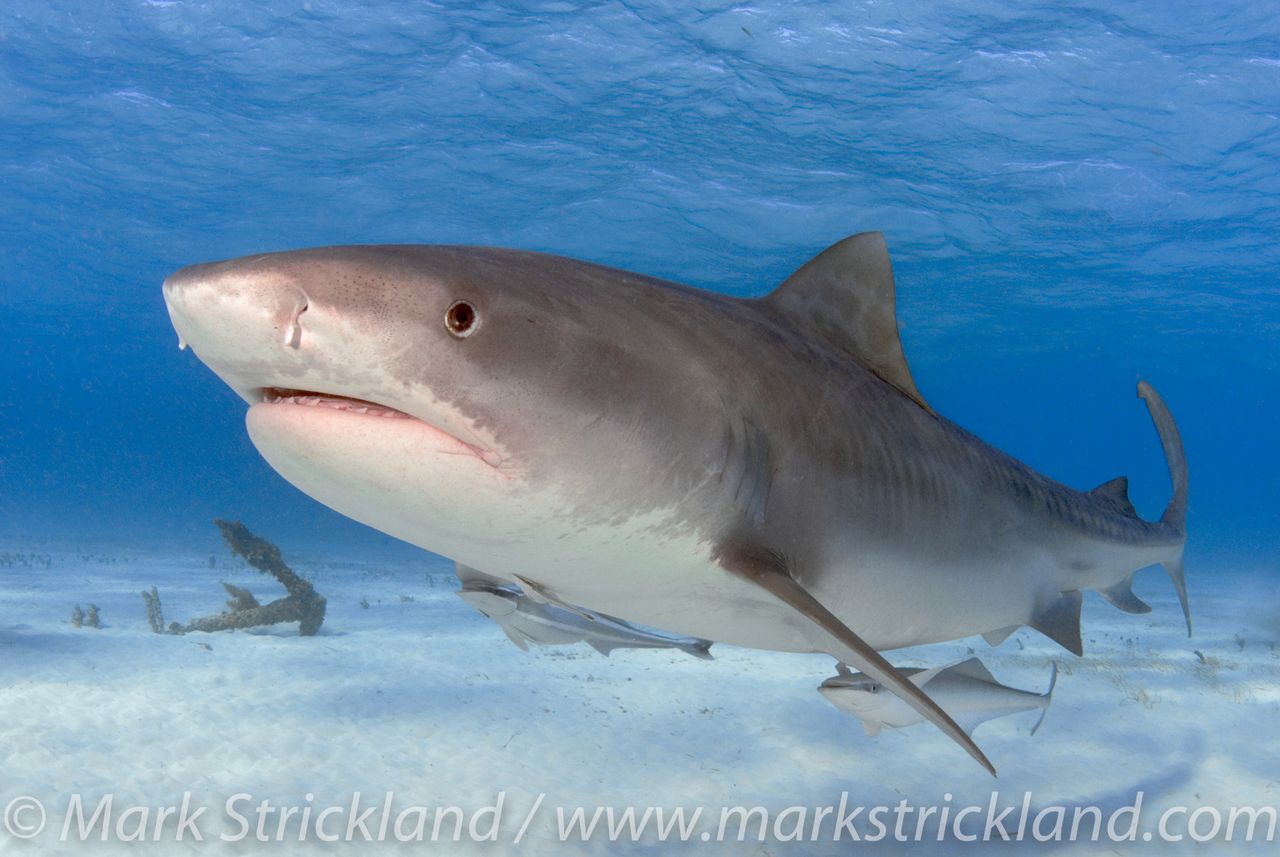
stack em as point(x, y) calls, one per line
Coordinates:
point(493, 601)
point(467, 400)
point(868, 700)
point(858, 695)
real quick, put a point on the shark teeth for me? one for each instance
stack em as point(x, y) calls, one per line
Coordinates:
point(305, 399)
point(275, 396)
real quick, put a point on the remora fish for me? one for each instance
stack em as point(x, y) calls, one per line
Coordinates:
point(756, 471)
point(525, 620)
point(967, 691)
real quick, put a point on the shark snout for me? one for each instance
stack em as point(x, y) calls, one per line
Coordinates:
point(233, 298)
point(246, 324)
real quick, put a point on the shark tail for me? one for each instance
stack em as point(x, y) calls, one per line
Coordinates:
point(1175, 514)
point(1048, 697)
point(700, 649)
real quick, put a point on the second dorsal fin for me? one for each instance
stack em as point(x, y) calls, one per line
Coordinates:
point(845, 295)
point(1117, 491)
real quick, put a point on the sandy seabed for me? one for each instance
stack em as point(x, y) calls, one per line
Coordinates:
point(419, 700)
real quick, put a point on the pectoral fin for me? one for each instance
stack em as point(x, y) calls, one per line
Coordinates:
point(768, 570)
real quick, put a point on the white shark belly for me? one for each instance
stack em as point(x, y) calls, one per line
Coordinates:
point(677, 585)
point(673, 585)
point(648, 568)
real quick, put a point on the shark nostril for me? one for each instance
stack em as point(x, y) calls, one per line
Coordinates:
point(293, 333)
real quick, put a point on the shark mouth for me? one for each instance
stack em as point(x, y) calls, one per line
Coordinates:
point(304, 398)
point(280, 396)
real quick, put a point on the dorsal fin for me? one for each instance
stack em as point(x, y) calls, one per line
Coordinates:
point(1117, 491)
point(998, 636)
point(973, 668)
point(922, 677)
point(845, 296)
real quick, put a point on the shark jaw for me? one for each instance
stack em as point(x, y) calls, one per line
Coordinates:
point(443, 442)
point(331, 411)
point(371, 462)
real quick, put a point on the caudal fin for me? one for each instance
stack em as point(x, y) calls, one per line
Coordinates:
point(1175, 514)
point(700, 649)
point(1173, 566)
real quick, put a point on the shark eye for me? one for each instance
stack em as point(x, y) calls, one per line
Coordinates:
point(461, 319)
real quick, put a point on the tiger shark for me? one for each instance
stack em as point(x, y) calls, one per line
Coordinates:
point(755, 471)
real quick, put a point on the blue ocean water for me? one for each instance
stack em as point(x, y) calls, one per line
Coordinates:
point(1075, 196)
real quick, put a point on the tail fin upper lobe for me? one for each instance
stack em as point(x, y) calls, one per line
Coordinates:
point(1175, 514)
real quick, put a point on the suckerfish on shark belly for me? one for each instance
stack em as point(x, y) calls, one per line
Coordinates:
point(528, 619)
